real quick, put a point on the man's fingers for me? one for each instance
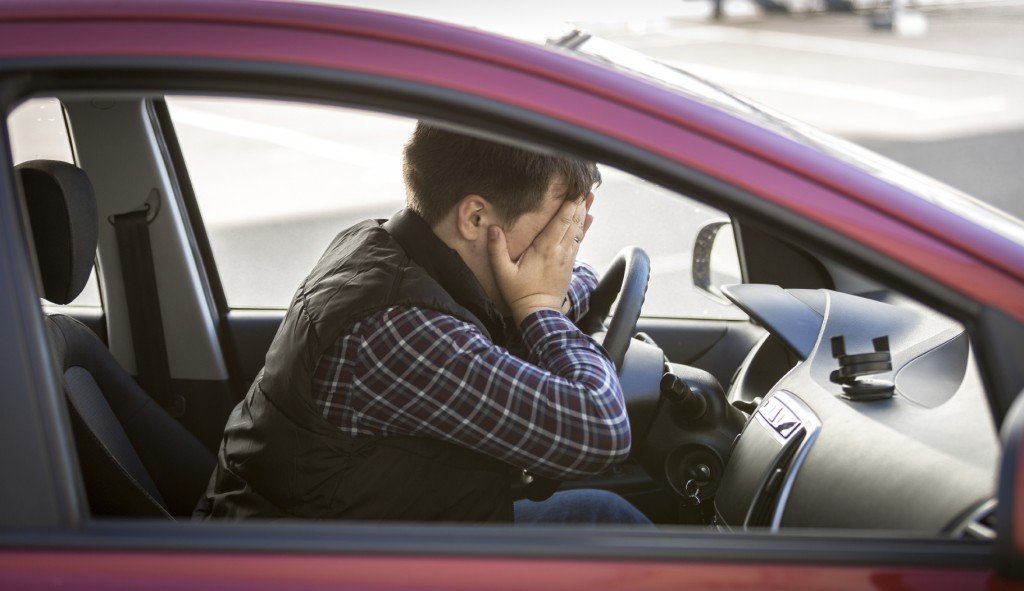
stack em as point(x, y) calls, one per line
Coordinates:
point(579, 232)
point(589, 200)
point(497, 249)
point(581, 224)
point(572, 233)
point(559, 225)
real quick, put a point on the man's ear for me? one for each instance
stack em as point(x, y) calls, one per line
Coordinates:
point(473, 215)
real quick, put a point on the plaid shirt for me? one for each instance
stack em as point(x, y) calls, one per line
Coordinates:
point(412, 371)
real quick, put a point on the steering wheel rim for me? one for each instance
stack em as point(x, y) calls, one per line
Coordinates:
point(627, 277)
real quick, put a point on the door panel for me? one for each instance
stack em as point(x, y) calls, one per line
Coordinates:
point(252, 332)
point(717, 346)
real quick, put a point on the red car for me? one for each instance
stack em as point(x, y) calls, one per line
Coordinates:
point(854, 421)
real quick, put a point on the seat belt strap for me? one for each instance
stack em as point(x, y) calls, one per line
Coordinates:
point(143, 301)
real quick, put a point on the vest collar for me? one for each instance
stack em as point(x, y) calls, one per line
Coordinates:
point(447, 268)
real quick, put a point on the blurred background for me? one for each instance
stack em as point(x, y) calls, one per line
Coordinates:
point(940, 87)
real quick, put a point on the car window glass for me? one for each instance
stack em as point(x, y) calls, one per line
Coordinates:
point(38, 130)
point(275, 182)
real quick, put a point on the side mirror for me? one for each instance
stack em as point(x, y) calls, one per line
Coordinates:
point(716, 261)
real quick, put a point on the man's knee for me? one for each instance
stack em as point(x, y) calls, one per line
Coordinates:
point(580, 506)
point(608, 507)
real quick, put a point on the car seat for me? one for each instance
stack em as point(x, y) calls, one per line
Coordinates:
point(136, 460)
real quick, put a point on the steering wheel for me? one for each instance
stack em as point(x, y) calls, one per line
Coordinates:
point(627, 278)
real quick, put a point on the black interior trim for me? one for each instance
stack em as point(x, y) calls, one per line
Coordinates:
point(716, 346)
point(253, 330)
point(209, 402)
point(998, 352)
point(773, 261)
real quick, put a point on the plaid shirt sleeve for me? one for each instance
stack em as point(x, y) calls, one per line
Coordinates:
point(582, 284)
point(411, 371)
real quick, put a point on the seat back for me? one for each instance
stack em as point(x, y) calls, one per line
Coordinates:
point(136, 460)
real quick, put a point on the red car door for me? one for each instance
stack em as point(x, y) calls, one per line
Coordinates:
point(47, 541)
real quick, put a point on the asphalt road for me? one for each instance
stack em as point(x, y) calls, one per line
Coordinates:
point(949, 103)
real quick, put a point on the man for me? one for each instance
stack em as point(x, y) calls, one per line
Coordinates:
point(390, 391)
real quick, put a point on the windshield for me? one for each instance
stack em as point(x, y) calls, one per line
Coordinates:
point(624, 59)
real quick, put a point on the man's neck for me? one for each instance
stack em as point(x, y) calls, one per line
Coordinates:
point(476, 259)
point(448, 267)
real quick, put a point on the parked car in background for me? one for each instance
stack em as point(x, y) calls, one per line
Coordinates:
point(855, 328)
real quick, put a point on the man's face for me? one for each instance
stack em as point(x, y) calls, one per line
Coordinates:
point(467, 233)
point(526, 228)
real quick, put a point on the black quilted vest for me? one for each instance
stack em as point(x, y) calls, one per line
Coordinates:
point(279, 456)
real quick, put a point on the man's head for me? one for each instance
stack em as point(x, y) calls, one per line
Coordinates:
point(442, 167)
point(462, 185)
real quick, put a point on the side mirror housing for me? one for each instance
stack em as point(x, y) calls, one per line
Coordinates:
point(716, 260)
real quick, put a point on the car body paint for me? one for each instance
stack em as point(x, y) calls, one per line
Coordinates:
point(841, 197)
point(111, 571)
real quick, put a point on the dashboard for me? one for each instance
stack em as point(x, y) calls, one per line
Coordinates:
point(875, 417)
point(852, 412)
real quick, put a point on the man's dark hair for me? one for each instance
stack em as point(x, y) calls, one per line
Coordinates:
point(441, 167)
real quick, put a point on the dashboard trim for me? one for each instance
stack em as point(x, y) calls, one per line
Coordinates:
point(812, 426)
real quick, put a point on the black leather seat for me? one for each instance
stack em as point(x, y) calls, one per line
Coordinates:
point(136, 460)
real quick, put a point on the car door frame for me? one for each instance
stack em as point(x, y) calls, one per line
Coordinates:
point(56, 526)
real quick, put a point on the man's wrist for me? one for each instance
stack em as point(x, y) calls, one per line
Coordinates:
point(532, 304)
point(521, 314)
point(566, 306)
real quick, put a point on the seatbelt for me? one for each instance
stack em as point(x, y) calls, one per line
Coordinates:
point(143, 301)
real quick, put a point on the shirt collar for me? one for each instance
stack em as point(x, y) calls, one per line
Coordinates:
point(446, 266)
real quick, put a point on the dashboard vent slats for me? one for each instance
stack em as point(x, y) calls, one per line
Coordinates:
point(981, 524)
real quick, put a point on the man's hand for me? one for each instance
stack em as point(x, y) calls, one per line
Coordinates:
point(539, 280)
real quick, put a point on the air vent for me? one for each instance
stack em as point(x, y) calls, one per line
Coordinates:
point(980, 524)
point(766, 502)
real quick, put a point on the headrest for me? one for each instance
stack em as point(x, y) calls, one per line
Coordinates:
point(62, 211)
